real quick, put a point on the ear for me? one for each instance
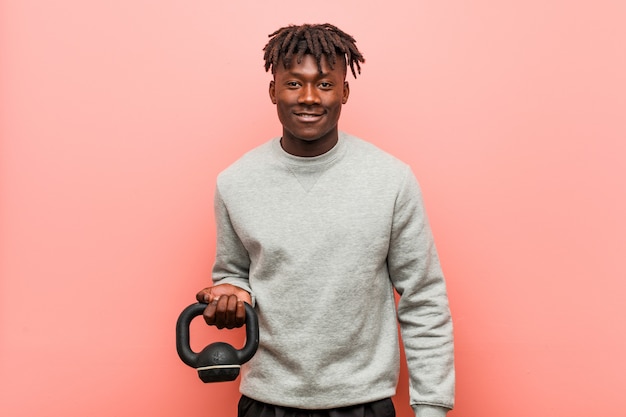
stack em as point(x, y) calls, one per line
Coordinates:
point(346, 92)
point(272, 92)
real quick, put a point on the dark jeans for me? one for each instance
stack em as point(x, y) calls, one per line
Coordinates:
point(252, 408)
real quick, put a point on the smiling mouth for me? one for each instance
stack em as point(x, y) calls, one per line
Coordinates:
point(308, 116)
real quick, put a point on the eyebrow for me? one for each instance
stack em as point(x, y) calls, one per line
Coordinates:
point(319, 74)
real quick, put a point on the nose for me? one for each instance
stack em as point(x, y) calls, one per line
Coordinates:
point(308, 95)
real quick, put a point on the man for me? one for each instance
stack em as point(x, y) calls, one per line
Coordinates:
point(316, 229)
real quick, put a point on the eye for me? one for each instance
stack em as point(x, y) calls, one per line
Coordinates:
point(325, 85)
point(292, 84)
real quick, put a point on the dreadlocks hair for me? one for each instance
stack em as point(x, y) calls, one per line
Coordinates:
point(317, 40)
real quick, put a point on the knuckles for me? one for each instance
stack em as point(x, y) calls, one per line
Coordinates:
point(225, 312)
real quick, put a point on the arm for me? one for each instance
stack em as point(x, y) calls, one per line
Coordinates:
point(230, 275)
point(423, 311)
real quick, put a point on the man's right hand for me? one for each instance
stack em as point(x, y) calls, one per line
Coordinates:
point(225, 305)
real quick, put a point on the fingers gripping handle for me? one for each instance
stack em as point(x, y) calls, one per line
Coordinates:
point(216, 353)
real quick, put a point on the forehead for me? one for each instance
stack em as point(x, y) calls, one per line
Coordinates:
point(309, 66)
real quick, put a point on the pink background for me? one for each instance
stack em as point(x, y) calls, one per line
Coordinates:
point(117, 115)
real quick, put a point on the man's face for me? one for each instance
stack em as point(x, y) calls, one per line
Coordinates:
point(309, 104)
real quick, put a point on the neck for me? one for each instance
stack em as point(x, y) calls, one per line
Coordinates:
point(309, 147)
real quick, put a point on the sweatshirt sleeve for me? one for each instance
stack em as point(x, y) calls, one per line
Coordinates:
point(423, 311)
point(232, 262)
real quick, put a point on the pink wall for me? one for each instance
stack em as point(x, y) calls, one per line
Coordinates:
point(117, 115)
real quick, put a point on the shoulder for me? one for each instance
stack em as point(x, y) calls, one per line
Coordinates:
point(374, 159)
point(251, 163)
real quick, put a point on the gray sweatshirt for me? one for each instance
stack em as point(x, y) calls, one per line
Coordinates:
point(321, 243)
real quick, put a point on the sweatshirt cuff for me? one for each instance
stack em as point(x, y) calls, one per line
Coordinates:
point(430, 411)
